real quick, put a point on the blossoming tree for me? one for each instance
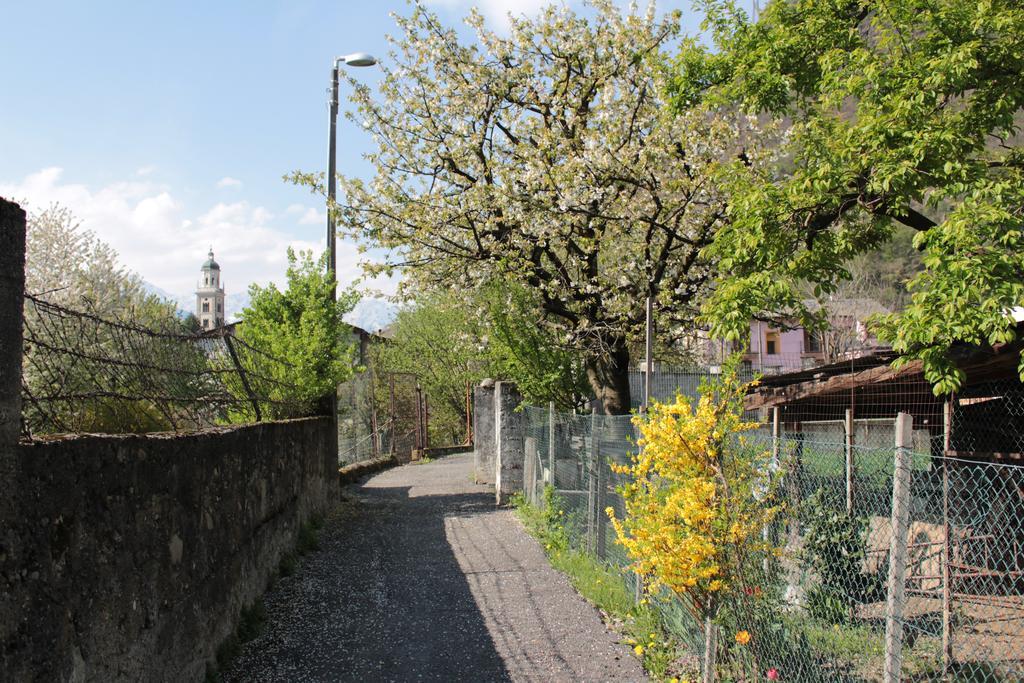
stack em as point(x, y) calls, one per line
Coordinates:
point(545, 157)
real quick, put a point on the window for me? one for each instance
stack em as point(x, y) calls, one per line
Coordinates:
point(206, 307)
point(206, 323)
point(812, 342)
point(771, 343)
point(218, 307)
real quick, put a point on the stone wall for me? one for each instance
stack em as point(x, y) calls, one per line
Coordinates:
point(129, 557)
point(483, 433)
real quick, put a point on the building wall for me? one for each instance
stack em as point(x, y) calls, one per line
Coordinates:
point(789, 350)
point(129, 557)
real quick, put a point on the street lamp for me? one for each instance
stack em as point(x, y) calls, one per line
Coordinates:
point(354, 59)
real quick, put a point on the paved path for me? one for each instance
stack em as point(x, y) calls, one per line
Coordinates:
point(421, 578)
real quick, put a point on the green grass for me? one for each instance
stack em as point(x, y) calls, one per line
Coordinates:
point(863, 649)
point(602, 585)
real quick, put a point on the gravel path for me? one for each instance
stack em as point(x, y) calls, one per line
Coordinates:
point(420, 578)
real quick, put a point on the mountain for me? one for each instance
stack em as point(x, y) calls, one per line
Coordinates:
point(185, 304)
point(233, 305)
point(372, 315)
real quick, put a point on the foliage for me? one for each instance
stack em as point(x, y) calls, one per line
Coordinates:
point(545, 158)
point(303, 326)
point(529, 354)
point(439, 339)
point(69, 266)
point(448, 340)
point(835, 547)
point(695, 505)
point(903, 112)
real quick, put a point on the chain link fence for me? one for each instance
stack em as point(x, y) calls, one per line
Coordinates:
point(934, 592)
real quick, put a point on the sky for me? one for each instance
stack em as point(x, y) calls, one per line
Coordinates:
point(166, 127)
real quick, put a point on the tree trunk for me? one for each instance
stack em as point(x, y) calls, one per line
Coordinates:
point(609, 377)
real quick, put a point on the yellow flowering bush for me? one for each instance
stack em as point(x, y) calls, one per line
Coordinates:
point(696, 496)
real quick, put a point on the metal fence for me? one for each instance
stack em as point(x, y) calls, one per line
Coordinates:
point(934, 589)
point(88, 373)
point(383, 414)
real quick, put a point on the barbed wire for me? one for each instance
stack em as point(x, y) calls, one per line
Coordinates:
point(84, 371)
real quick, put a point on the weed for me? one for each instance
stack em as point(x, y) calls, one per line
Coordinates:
point(250, 621)
point(288, 563)
point(308, 540)
point(600, 584)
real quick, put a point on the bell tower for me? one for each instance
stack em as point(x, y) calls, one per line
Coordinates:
point(210, 295)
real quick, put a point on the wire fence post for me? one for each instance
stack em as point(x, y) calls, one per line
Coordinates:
point(599, 487)
point(245, 380)
point(848, 425)
point(551, 443)
point(529, 467)
point(895, 599)
point(947, 546)
point(766, 533)
point(592, 486)
point(710, 650)
point(391, 408)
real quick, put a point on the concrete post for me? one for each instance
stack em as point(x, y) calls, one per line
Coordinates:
point(530, 470)
point(509, 429)
point(483, 432)
point(896, 597)
point(12, 291)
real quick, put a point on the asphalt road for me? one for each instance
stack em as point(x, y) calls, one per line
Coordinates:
point(420, 578)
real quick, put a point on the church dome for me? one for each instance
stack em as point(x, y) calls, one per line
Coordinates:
point(210, 264)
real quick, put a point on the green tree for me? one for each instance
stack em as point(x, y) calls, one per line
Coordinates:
point(530, 354)
point(303, 327)
point(440, 340)
point(904, 112)
point(545, 158)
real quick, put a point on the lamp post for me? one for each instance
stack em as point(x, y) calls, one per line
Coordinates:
point(354, 59)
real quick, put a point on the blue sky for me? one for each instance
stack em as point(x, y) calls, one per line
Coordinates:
point(166, 126)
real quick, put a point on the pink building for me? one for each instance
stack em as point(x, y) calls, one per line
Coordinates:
point(773, 349)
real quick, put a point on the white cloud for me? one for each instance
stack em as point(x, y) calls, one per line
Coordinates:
point(228, 181)
point(308, 215)
point(145, 170)
point(496, 11)
point(165, 242)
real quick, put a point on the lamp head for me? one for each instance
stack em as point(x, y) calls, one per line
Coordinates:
point(357, 59)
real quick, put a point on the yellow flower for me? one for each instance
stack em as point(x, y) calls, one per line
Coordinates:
point(639, 650)
point(743, 637)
